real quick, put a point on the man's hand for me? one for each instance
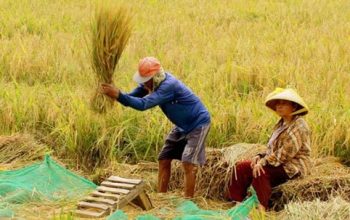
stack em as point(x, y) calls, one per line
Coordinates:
point(254, 161)
point(110, 90)
point(258, 170)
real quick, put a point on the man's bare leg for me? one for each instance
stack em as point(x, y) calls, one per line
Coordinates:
point(164, 175)
point(190, 178)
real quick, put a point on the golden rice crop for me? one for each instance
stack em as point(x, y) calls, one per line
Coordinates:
point(111, 31)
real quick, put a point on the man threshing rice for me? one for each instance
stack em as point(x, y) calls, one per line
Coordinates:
point(287, 155)
point(185, 141)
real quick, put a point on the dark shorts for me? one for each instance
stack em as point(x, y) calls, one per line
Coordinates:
point(186, 147)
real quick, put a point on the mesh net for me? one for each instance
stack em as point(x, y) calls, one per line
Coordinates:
point(44, 181)
point(188, 210)
point(49, 181)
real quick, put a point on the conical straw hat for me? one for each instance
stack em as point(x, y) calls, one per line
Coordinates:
point(289, 95)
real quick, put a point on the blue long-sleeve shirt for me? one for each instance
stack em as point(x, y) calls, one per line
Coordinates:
point(181, 106)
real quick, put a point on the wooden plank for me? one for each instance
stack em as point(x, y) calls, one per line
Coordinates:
point(143, 201)
point(124, 180)
point(93, 205)
point(131, 196)
point(101, 200)
point(118, 185)
point(90, 214)
point(113, 194)
point(134, 205)
point(112, 190)
point(106, 195)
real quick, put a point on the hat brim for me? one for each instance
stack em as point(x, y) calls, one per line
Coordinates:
point(139, 79)
point(289, 95)
point(301, 110)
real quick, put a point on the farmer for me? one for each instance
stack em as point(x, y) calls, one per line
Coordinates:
point(186, 140)
point(287, 155)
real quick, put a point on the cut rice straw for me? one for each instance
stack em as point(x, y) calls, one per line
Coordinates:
point(213, 178)
point(334, 209)
point(18, 150)
point(328, 179)
point(111, 30)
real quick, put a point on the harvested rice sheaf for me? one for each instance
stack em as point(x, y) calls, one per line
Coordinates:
point(213, 178)
point(328, 178)
point(111, 30)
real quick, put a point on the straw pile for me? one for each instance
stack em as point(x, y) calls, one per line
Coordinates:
point(334, 209)
point(18, 150)
point(328, 178)
point(215, 175)
point(111, 31)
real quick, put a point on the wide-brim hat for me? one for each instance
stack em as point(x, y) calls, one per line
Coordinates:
point(148, 67)
point(289, 95)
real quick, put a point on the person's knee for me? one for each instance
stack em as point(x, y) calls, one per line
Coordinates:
point(263, 179)
point(189, 168)
point(164, 164)
point(242, 169)
point(244, 165)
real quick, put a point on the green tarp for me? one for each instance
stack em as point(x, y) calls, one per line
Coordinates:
point(44, 181)
point(49, 181)
point(188, 210)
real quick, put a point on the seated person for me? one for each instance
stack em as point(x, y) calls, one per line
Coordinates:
point(287, 155)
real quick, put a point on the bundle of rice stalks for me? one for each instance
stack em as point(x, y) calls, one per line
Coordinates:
point(215, 175)
point(18, 150)
point(111, 31)
point(328, 178)
point(334, 209)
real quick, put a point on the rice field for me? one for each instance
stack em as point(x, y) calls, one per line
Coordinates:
point(231, 53)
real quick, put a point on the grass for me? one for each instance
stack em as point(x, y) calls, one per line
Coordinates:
point(230, 53)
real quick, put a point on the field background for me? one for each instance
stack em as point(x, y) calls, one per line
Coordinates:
point(231, 53)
